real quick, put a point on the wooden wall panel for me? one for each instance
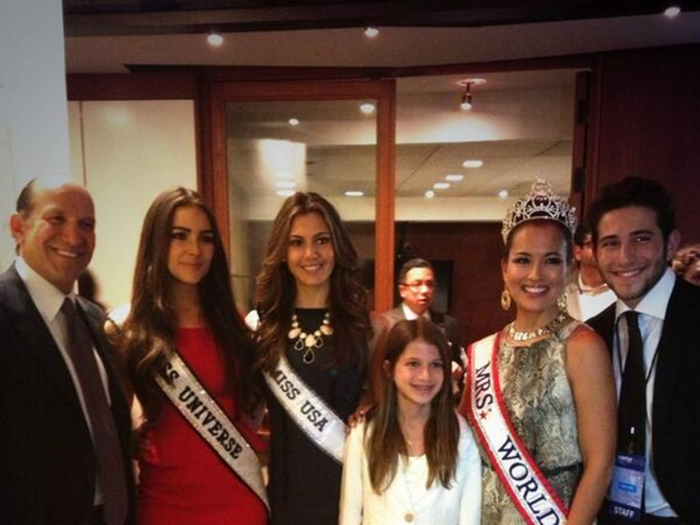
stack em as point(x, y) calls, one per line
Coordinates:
point(649, 124)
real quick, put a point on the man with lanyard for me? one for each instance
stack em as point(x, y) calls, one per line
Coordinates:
point(64, 421)
point(587, 292)
point(652, 333)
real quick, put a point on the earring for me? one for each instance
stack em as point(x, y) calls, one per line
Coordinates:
point(505, 300)
point(563, 302)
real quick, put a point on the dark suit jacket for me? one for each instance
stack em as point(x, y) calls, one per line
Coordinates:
point(676, 403)
point(446, 323)
point(47, 463)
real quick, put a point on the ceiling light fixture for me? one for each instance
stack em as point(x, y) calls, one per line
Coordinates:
point(441, 185)
point(429, 194)
point(454, 177)
point(467, 102)
point(371, 31)
point(367, 108)
point(215, 39)
point(293, 121)
point(503, 194)
point(672, 11)
point(472, 163)
point(285, 193)
point(354, 193)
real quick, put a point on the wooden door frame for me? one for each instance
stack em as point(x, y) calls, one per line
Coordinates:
point(213, 178)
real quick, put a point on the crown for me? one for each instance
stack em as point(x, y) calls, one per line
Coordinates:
point(540, 203)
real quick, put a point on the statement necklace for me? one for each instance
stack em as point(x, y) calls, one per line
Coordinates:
point(309, 343)
point(547, 329)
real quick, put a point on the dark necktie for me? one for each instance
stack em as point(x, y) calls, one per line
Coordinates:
point(631, 432)
point(110, 469)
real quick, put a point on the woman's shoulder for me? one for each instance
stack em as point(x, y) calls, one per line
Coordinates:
point(465, 432)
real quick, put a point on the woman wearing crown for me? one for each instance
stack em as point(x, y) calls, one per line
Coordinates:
point(540, 393)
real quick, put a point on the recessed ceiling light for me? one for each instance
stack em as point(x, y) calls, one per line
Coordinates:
point(429, 194)
point(503, 194)
point(367, 108)
point(293, 121)
point(285, 193)
point(372, 32)
point(454, 177)
point(215, 39)
point(441, 185)
point(672, 11)
point(473, 163)
point(286, 184)
point(354, 193)
point(284, 175)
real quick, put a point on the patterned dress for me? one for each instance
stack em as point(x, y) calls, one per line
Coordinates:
point(540, 403)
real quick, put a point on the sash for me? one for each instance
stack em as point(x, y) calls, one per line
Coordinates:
point(529, 489)
point(211, 423)
point(307, 409)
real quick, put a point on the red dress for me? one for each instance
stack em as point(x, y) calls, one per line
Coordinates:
point(182, 480)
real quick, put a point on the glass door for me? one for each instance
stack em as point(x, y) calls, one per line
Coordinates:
point(272, 139)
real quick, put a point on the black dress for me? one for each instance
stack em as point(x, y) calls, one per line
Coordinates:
point(304, 483)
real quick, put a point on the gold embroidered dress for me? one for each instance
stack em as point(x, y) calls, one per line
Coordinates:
point(540, 403)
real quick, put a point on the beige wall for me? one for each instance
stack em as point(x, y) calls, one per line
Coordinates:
point(33, 120)
point(129, 151)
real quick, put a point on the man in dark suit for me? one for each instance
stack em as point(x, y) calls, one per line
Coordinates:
point(417, 289)
point(64, 420)
point(635, 238)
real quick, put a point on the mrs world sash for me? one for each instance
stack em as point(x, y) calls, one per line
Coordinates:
point(529, 489)
point(307, 409)
point(212, 424)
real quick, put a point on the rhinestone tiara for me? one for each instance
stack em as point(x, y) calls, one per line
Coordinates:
point(540, 203)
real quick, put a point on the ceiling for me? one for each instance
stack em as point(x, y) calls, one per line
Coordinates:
point(112, 36)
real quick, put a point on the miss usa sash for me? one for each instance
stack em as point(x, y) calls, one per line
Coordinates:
point(530, 491)
point(211, 423)
point(307, 409)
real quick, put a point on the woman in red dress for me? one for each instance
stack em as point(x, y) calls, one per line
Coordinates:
point(183, 306)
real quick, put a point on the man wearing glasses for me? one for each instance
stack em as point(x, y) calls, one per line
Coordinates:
point(417, 289)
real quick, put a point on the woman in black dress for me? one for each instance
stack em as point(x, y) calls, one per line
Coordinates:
point(314, 334)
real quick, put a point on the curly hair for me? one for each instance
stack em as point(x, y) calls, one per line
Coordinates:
point(276, 287)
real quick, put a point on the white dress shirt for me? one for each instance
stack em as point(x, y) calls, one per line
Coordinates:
point(652, 312)
point(458, 505)
point(410, 315)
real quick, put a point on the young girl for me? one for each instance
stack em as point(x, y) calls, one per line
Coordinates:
point(183, 336)
point(413, 460)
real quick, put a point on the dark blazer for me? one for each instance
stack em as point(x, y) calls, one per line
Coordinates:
point(47, 464)
point(676, 403)
point(446, 323)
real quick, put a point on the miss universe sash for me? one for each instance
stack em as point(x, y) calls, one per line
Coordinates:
point(307, 409)
point(211, 423)
point(529, 489)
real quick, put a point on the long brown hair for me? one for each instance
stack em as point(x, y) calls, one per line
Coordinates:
point(384, 441)
point(276, 287)
point(148, 335)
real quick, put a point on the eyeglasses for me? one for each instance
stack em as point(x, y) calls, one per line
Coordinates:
point(417, 285)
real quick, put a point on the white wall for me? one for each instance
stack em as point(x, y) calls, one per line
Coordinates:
point(129, 152)
point(33, 117)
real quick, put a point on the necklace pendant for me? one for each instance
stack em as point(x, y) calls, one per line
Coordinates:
point(326, 329)
point(408, 517)
point(309, 356)
point(294, 333)
point(310, 341)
